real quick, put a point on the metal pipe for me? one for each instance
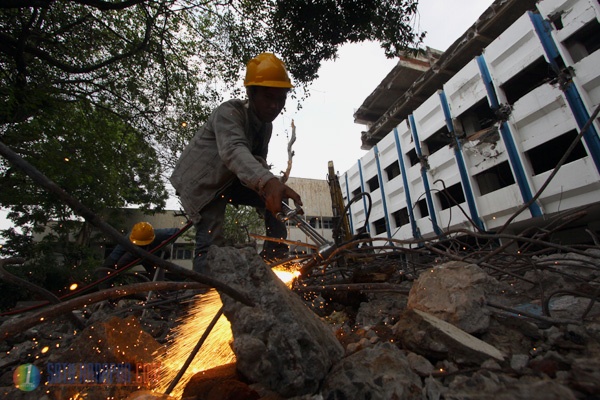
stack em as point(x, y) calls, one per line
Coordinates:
point(195, 350)
point(15, 280)
point(291, 214)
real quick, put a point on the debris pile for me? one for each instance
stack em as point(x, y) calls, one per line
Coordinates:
point(393, 329)
point(278, 342)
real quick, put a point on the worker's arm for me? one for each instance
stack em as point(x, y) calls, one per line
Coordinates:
point(234, 146)
point(274, 192)
point(113, 258)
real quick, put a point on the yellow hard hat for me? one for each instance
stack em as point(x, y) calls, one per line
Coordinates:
point(142, 234)
point(267, 70)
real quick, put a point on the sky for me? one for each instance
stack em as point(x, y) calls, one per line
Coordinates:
point(325, 128)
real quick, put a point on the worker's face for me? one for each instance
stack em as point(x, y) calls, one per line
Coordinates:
point(267, 102)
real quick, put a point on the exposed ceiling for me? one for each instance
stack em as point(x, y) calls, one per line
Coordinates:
point(411, 81)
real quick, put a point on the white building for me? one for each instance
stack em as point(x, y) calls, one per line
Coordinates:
point(483, 127)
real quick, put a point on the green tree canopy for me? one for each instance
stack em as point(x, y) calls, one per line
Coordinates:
point(158, 63)
point(90, 153)
point(116, 86)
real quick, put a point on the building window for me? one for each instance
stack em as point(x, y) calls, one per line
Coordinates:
point(451, 196)
point(494, 178)
point(546, 156)
point(321, 223)
point(475, 121)
point(392, 170)
point(529, 78)
point(183, 251)
point(373, 184)
point(412, 157)
point(379, 226)
point(401, 217)
point(356, 192)
point(584, 42)
point(438, 140)
point(422, 205)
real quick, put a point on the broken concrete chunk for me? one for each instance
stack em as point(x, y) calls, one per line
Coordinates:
point(279, 342)
point(454, 292)
point(430, 336)
point(383, 309)
point(379, 372)
point(419, 364)
point(519, 361)
point(433, 389)
point(585, 375)
point(478, 388)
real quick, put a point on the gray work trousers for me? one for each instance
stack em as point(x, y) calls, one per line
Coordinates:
point(209, 231)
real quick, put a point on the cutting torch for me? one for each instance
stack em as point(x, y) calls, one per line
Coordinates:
point(289, 214)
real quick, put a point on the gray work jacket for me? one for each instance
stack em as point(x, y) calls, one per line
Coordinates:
point(225, 147)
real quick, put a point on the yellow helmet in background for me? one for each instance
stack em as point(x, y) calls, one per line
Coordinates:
point(142, 234)
point(267, 70)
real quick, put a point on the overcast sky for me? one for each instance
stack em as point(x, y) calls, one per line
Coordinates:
point(325, 127)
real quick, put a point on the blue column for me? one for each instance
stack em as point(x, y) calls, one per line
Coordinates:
point(511, 147)
point(348, 197)
point(382, 189)
point(581, 114)
point(411, 214)
point(432, 214)
point(462, 168)
point(362, 189)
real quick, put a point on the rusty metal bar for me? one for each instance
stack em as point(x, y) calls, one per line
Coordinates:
point(195, 351)
point(93, 219)
point(15, 280)
point(11, 328)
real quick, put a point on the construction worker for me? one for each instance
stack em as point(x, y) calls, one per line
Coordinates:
point(144, 235)
point(225, 162)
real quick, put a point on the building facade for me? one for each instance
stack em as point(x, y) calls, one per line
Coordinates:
point(477, 135)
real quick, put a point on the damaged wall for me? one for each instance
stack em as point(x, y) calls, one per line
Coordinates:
point(486, 142)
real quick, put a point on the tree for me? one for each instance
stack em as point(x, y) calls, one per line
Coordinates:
point(117, 87)
point(108, 167)
point(90, 153)
point(239, 222)
point(155, 64)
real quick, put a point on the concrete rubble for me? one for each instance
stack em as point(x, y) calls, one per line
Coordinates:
point(279, 342)
point(454, 292)
point(441, 337)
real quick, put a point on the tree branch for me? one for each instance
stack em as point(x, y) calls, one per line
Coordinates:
point(97, 4)
point(286, 174)
point(14, 47)
point(93, 219)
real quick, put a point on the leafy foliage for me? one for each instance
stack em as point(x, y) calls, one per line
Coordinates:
point(322, 26)
point(101, 96)
point(157, 64)
point(90, 153)
point(239, 222)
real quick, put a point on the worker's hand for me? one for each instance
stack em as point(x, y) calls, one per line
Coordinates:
point(275, 192)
